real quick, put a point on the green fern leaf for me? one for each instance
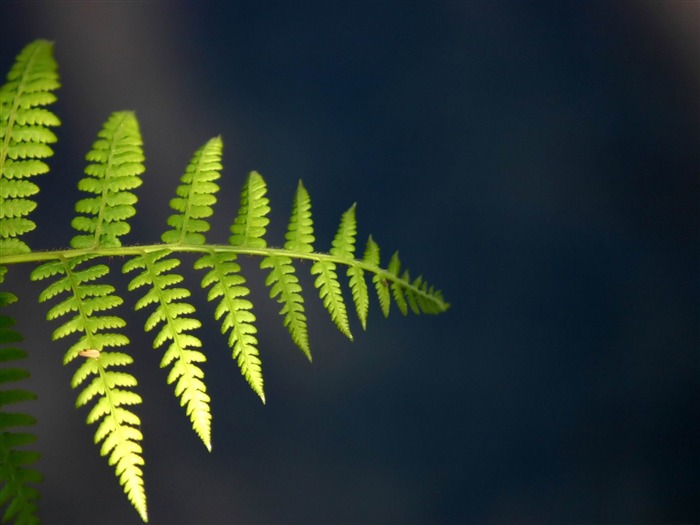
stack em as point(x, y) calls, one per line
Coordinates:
point(284, 285)
point(13, 247)
point(360, 295)
point(31, 150)
point(282, 280)
point(416, 295)
point(195, 196)
point(249, 227)
point(173, 314)
point(17, 476)
point(118, 429)
point(430, 300)
point(393, 269)
point(410, 293)
point(371, 257)
point(343, 246)
point(15, 226)
point(300, 233)
point(24, 138)
point(116, 161)
point(17, 208)
point(23, 168)
point(6, 298)
point(396, 289)
point(235, 313)
point(33, 135)
point(12, 189)
point(86, 299)
point(331, 295)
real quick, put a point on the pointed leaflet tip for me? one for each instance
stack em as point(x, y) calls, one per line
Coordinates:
point(300, 231)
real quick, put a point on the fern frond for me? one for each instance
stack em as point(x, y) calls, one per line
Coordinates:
point(24, 137)
point(195, 196)
point(85, 303)
point(116, 161)
point(250, 224)
point(173, 314)
point(87, 298)
point(17, 476)
point(235, 313)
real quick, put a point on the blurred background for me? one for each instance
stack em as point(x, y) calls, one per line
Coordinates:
point(537, 161)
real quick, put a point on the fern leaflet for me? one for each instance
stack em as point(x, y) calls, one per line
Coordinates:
point(16, 475)
point(282, 280)
point(396, 288)
point(24, 137)
point(300, 233)
point(371, 257)
point(174, 314)
point(249, 227)
point(331, 294)
point(235, 313)
point(116, 162)
point(343, 247)
point(284, 285)
point(195, 196)
point(119, 426)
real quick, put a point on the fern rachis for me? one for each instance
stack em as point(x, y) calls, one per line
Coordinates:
point(79, 279)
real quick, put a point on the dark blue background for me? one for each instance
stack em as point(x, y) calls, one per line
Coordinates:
point(539, 162)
